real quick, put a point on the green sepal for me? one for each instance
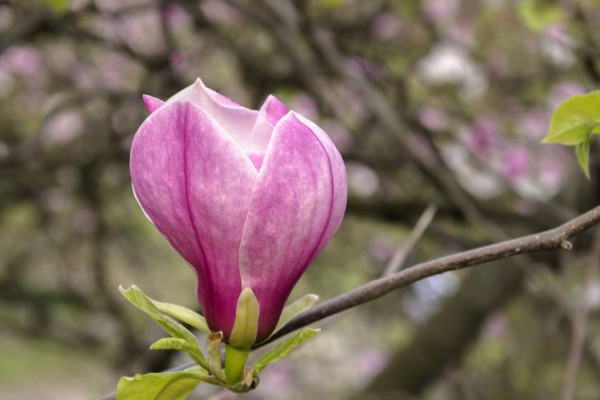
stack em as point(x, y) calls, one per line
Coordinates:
point(284, 348)
point(245, 327)
point(174, 328)
point(582, 151)
point(575, 119)
point(162, 385)
point(184, 314)
point(298, 306)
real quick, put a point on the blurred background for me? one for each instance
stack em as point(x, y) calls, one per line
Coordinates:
point(436, 105)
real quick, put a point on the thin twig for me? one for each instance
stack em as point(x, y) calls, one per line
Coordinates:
point(556, 238)
point(580, 324)
point(404, 250)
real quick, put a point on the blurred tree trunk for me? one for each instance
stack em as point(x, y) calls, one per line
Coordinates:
point(443, 339)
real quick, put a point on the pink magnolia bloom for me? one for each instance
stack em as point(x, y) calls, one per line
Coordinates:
point(248, 198)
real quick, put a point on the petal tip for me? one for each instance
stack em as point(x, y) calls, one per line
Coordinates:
point(152, 103)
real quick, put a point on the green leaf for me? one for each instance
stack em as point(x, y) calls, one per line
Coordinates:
point(574, 119)
point(284, 348)
point(161, 386)
point(298, 306)
point(184, 314)
point(169, 344)
point(243, 334)
point(174, 328)
point(538, 15)
point(582, 150)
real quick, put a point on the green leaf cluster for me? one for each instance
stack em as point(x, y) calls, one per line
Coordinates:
point(236, 376)
point(573, 124)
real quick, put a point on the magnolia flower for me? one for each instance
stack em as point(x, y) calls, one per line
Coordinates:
point(248, 198)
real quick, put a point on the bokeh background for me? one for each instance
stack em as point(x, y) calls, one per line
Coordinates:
point(436, 103)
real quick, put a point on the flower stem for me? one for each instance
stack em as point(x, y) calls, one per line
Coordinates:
point(235, 361)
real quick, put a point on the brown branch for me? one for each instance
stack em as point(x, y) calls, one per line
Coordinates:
point(556, 238)
point(548, 240)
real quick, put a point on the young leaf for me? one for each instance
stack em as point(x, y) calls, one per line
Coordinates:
point(145, 304)
point(582, 150)
point(161, 386)
point(184, 314)
point(169, 344)
point(574, 119)
point(298, 306)
point(284, 348)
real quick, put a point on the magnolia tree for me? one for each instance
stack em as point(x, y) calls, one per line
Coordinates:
point(431, 136)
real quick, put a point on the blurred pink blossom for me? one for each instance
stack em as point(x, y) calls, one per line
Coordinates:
point(178, 59)
point(386, 26)
point(433, 118)
point(497, 65)
point(278, 379)
point(221, 12)
point(440, 10)
point(24, 61)
point(534, 124)
point(558, 33)
point(366, 68)
point(381, 248)
point(362, 180)
point(338, 134)
point(175, 15)
point(305, 105)
point(482, 136)
point(371, 361)
point(142, 31)
point(63, 127)
point(515, 162)
point(554, 168)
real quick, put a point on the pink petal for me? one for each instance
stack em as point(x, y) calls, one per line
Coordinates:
point(270, 113)
point(195, 183)
point(152, 103)
point(289, 214)
point(236, 120)
point(340, 183)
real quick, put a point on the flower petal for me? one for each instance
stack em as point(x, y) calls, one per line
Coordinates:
point(236, 120)
point(340, 182)
point(270, 113)
point(289, 213)
point(152, 103)
point(195, 183)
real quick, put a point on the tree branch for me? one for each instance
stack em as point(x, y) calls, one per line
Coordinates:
point(547, 240)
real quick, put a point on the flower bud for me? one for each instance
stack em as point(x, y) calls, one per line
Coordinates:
point(248, 198)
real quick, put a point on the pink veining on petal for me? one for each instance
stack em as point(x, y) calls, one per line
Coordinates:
point(195, 184)
point(295, 188)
